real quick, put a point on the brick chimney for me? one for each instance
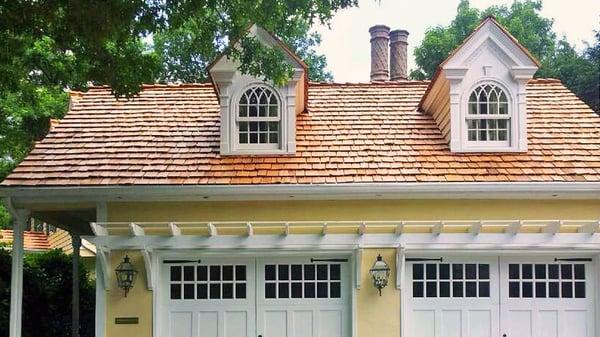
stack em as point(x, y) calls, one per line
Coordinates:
point(398, 60)
point(380, 36)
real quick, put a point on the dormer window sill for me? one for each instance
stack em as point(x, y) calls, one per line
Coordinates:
point(265, 152)
point(489, 149)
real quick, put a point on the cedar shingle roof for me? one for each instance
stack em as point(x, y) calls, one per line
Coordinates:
point(32, 241)
point(352, 133)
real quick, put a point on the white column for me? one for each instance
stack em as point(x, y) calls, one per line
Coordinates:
point(20, 218)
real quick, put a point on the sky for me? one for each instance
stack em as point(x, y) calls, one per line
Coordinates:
point(346, 43)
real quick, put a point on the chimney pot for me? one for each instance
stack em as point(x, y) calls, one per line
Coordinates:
point(398, 59)
point(380, 36)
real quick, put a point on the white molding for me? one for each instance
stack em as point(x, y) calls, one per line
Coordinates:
point(400, 266)
point(150, 271)
point(350, 191)
point(483, 241)
point(136, 230)
point(249, 229)
point(212, 230)
point(514, 228)
point(175, 231)
point(101, 274)
point(104, 256)
point(358, 256)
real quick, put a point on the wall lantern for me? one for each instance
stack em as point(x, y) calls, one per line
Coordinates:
point(380, 272)
point(126, 275)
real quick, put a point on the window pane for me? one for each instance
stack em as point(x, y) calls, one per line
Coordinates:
point(527, 270)
point(513, 289)
point(284, 291)
point(322, 290)
point(296, 272)
point(457, 271)
point(484, 271)
point(527, 289)
point(270, 272)
point(309, 290)
point(175, 273)
point(540, 289)
point(580, 272)
point(503, 108)
point(553, 290)
point(484, 289)
point(444, 271)
point(273, 110)
point(471, 289)
point(240, 290)
point(540, 271)
point(202, 273)
point(566, 271)
point(188, 291)
point(579, 289)
point(215, 291)
point(471, 271)
point(334, 272)
point(283, 273)
point(240, 273)
point(472, 108)
point(296, 290)
point(431, 289)
point(321, 272)
point(215, 273)
point(188, 273)
point(444, 289)
point(417, 289)
point(309, 271)
point(431, 271)
point(418, 272)
point(553, 271)
point(227, 273)
point(336, 289)
point(457, 289)
point(201, 291)
point(513, 271)
point(270, 290)
point(566, 289)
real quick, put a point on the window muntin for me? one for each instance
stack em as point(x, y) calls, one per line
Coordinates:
point(488, 115)
point(546, 280)
point(451, 280)
point(258, 118)
point(204, 282)
point(303, 281)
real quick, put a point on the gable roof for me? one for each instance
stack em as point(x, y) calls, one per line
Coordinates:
point(352, 133)
point(488, 20)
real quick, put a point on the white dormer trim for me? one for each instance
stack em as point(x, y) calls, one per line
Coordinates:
point(489, 55)
point(231, 84)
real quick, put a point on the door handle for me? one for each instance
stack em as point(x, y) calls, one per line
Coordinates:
point(504, 335)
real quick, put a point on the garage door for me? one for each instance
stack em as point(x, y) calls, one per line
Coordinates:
point(268, 297)
point(516, 297)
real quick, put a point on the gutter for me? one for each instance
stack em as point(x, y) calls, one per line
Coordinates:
point(494, 190)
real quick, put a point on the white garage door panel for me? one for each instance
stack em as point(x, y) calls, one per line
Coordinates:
point(480, 323)
point(452, 298)
point(248, 297)
point(208, 324)
point(527, 297)
point(544, 298)
point(181, 324)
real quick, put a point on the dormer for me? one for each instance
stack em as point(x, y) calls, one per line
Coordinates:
point(477, 95)
point(258, 117)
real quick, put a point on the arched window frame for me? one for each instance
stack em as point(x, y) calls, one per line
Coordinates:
point(468, 117)
point(240, 144)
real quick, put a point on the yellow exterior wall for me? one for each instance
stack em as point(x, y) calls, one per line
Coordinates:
point(138, 302)
point(376, 316)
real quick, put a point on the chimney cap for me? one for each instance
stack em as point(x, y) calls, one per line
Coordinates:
point(398, 34)
point(379, 31)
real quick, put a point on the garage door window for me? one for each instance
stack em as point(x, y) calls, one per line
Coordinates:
point(546, 280)
point(203, 282)
point(456, 280)
point(300, 281)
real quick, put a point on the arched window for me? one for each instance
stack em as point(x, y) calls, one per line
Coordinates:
point(488, 115)
point(259, 118)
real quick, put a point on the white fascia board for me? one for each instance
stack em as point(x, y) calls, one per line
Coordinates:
point(499, 190)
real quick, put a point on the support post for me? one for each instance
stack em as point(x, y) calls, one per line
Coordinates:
point(76, 242)
point(20, 218)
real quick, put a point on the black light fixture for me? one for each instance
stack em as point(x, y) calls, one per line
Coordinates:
point(380, 272)
point(126, 275)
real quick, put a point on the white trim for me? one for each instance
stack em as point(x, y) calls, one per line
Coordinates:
point(101, 277)
point(469, 190)
point(150, 271)
point(358, 256)
point(444, 241)
point(20, 217)
point(174, 229)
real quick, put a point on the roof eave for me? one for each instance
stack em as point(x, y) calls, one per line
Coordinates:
point(158, 193)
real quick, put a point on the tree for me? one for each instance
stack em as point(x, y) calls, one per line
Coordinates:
point(523, 20)
point(46, 301)
point(49, 47)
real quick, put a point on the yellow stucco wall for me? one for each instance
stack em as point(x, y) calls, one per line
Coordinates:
point(376, 316)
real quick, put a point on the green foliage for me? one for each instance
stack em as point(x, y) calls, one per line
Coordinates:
point(523, 20)
point(5, 219)
point(47, 295)
point(49, 47)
